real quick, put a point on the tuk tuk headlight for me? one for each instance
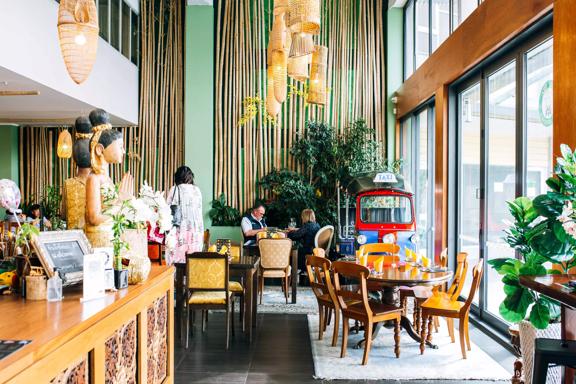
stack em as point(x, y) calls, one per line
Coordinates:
point(389, 238)
point(414, 239)
point(361, 239)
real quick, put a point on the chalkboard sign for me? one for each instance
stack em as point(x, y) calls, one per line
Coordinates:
point(62, 250)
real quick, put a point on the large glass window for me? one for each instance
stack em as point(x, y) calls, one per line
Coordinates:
point(440, 15)
point(504, 150)
point(539, 118)
point(409, 39)
point(126, 36)
point(103, 18)
point(115, 23)
point(501, 173)
point(135, 54)
point(422, 31)
point(427, 23)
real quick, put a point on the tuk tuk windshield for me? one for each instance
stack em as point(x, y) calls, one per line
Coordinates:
point(386, 209)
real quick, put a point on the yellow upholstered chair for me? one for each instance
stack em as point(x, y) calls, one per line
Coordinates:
point(208, 288)
point(319, 252)
point(275, 262)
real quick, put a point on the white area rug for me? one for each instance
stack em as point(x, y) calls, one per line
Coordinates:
point(444, 363)
point(273, 301)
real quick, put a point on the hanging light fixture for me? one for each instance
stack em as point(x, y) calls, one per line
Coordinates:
point(78, 37)
point(278, 33)
point(298, 67)
point(280, 69)
point(304, 16)
point(64, 149)
point(272, 105)
point(317, 88)
point(302, 44)
point(280, 6)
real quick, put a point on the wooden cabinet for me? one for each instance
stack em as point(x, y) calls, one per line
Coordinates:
point(125, 337)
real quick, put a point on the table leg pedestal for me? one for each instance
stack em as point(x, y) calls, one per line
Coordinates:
point(294, 262)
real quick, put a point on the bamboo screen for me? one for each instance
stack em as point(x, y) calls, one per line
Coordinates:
point(353, 31)
point(155, 148)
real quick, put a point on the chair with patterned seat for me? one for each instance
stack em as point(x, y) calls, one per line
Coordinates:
point(275, 262)
point(208, 288)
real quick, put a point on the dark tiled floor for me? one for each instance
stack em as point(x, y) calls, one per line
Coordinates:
point(280, 353)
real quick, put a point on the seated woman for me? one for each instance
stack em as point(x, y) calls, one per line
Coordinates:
point(305, 235)
point(35, 217)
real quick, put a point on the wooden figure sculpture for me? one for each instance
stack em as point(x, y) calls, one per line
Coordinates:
point(106, 147)
point(74, 196)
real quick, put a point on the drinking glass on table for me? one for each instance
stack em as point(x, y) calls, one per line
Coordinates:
point(291, 224)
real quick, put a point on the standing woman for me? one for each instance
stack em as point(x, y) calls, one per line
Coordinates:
point(190, 230)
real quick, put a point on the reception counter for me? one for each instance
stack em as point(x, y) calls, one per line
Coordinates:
point(125, 337)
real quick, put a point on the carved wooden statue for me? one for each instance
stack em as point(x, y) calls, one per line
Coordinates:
point(106, 147)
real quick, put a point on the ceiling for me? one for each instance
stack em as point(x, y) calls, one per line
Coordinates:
point(48, 108)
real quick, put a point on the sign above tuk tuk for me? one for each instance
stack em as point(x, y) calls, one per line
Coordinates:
point(385, 177)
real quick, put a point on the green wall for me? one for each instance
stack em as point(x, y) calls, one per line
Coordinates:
point(394, 63)
point(9, 152)
point(199, 108)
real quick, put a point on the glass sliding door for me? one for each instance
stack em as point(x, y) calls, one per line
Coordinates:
point(469, 186)
point(503, 132)
point(500, 174)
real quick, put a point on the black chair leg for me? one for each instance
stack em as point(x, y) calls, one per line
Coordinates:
point(540, 369)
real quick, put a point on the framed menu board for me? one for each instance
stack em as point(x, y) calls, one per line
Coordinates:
point(62, 250)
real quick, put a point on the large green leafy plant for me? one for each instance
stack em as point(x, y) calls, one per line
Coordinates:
point(544, 231)
point(222, 214)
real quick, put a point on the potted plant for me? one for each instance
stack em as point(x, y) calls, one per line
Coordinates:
point(544, 235)
point(225, 219)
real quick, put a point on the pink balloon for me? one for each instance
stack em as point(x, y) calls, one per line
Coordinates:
point(9, 195)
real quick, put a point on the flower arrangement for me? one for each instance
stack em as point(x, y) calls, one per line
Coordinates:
point(150, 210)
point(543, 231)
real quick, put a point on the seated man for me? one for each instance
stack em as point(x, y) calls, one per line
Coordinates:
point(253, 223)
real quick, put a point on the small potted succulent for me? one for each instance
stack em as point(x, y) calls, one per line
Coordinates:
point(544, 235)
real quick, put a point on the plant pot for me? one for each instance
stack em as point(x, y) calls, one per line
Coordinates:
point(121, 279)
point(36, 287)
point(527, 336)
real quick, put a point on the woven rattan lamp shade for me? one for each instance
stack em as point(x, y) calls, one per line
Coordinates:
point(302, 44)
point(280, 69)
point(317, 88)
point(298, 67)
point(272, 105)
point(64, 149)
point(278, 33)
point(280, 6)
point(78, 37)
point(304, 16)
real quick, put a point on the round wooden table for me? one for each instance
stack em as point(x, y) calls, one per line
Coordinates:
point(390, 281)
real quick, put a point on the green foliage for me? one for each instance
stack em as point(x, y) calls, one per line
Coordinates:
point(24, 233)
point(222, 214)
point(327, 157)
point(544, 230)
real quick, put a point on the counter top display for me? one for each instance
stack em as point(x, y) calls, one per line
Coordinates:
point(124, 337)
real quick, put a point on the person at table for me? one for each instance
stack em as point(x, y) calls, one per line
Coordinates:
point(252, 223)
point(190, 230)
point(305, 235)
point(36, 218)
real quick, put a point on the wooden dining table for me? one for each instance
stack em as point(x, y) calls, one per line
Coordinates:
point(392, 278)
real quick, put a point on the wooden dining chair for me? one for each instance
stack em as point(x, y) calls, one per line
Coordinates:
point(318, 269)
point(376, 250)
point(208, 288)
point(275, 262)
point(446, 306)
point(354, 304)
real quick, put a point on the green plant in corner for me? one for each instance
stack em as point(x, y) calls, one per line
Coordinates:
point(51, 202)
point(222, 214)
point(24, 234)
point(544, 230)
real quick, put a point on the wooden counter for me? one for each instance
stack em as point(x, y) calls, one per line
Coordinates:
point(124, 337)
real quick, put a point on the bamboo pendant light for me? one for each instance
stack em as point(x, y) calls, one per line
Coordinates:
point(280, 6)
point(304, 16)
point(78, 37)
point(317, 89)
point(64, 148)
point(278, 33)
point(280, 69)
point(302, 44)
point(272, 105)
point(298, 67)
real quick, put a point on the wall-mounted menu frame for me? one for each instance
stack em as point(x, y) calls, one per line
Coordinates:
point(63, 250)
